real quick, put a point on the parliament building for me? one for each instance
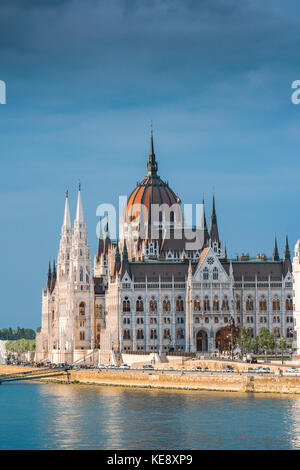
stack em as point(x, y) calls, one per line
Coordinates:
point(161, 287)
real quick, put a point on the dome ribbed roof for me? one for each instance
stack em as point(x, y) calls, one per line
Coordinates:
point(152, 190)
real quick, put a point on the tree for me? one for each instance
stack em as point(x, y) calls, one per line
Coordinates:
point(265, 339)
point(245, 341)
point(282, 344)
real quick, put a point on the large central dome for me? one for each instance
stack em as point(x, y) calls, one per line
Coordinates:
point(152, 190)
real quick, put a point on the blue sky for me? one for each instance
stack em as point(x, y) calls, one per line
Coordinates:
point(84, 79)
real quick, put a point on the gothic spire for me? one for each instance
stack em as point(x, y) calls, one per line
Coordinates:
point(100, 247)
point(203, 225)
point(49, 277)
point(287, 254)
point(117, 259)
point(275, 256)
point(214, 233)
point(53, 277)
point(152, 163)
point(107, 242)
point(67, 218)
point(79, 210)
point(125, 264)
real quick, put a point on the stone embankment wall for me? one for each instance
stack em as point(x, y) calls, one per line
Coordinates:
point(226, 382)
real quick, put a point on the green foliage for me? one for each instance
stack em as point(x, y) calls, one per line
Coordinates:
point(38, 330)
point(19, 333)
point(282, 343)
point(266, 339)
point(22, 345)
point(245, 341)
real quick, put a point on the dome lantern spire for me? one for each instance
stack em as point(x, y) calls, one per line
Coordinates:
point(152, 163)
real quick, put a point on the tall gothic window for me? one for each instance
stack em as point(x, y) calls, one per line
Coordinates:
point(126, 305)
point(179, 304)
point(205, 274)
point(215, 274)
point(197, 304)
point(166, 305)
point(215, 304)
point(262, 304)
point(139, 305)
point(249, 304)
point(81, 274)
point(81, 308)
point(276, 304)
point(206, 305)
point(153, 305)
point(225, 306)
point(126, 334)
point(289, 303)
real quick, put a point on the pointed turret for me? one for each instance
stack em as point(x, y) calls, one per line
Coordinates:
point(152, 163)
point(214, 233)
point(286, 254)
point(117, 260)
point(100, 247)
point(287, 263)
point(107, 241)
point(67, 218)
point(203, 226)
point(53, 277)
point(79, 209)
point(125, 264)
point(49, 277)
point(275, 256)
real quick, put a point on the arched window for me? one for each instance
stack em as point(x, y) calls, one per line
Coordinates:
point(81, 308)
point(180, 334)
point(249, 304)
point(225, 306)
point(262, 304)
point(215, 274)
point(153, 305)
point(276, 304)
point(250, 332)
point(179, 304)
point(81, 274)
point(289, 303)
point(166, 305)
point(289, 333)
point(215, 304)
point(277, 332)
point(206, 306)
point(238, 304)
point(153, 334)
point(82, 336)
point(140, 334)
point(167, 333)
point(205, 274)
point(126, 334)
point(139, 305)
point(126, 305)
point(197, 304)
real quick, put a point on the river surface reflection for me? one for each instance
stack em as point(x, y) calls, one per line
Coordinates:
point(57, 416)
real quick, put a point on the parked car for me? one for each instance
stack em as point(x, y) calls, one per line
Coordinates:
point(196, 368)
point(250, 369)
point(148, 366)
point(228, 368)
point(111, 366)
point(292, 370)
point(102, 366)
point(253, 360)
point(124, 366)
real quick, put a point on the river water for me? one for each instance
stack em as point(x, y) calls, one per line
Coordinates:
point(58, 416)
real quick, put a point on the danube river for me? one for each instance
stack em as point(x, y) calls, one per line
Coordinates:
point(57, 416)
